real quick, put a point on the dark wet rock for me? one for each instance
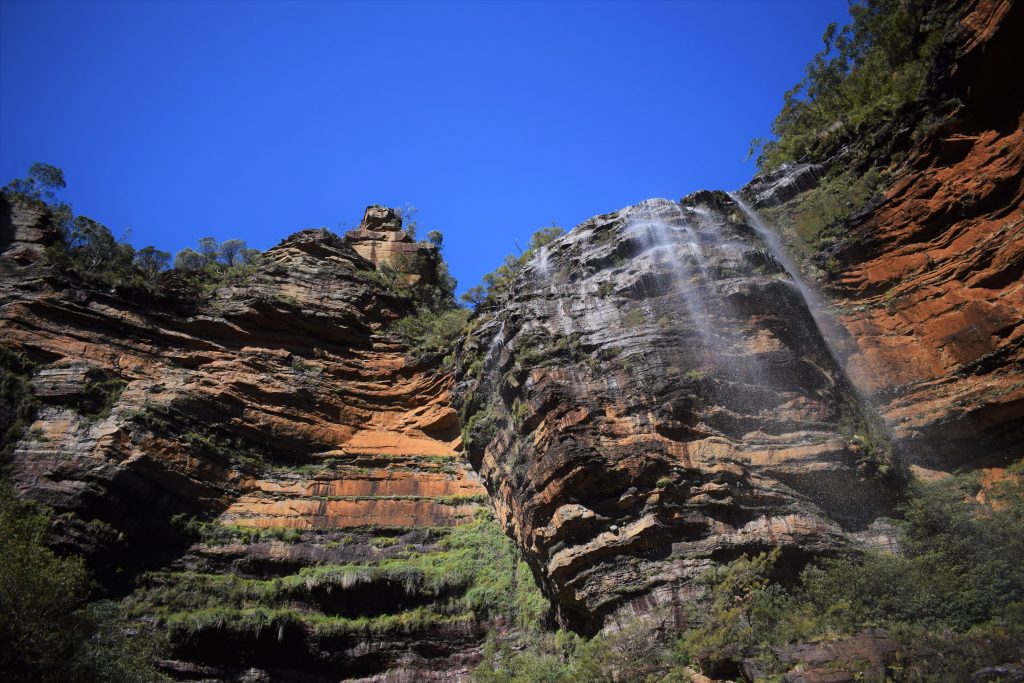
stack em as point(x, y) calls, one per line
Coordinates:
point(782, 184)
point(652, 398)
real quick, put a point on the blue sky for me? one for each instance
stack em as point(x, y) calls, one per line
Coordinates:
point(254, 120)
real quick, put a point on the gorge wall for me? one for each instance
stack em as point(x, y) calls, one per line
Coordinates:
point(277, 421)
point(654, 397)
point(265, 471)
point(925, 281)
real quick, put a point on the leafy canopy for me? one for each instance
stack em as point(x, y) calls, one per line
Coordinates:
point(864, 74)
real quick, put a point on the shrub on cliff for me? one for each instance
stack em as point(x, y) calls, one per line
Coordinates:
point(436, 320)
point(634, 653)
point(958, 585)
point(197, 273)
point(41, 184)
point(17, 403)
point(866, 73)
point(48, 630)
point(428, 331)
point(497, 282)
point(84, 246)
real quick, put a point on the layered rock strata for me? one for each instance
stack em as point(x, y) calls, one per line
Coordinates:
point(654, 397)
point(229, 443)
point(928, 281)
point(380, 239)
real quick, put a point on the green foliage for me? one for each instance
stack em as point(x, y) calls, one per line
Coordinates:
point(42, 183)
point(428, 331)
point(958, 583)
point(17, 403)
point(480, 427)
point(214, 533)
point(100, 394)
point(189, 260)
point(497, 282)
point(86, 247)
point(635, 653)
point(216, 442)
point(865, 73)
point(40, 592)
point(742, 605)
point(475, 295)
point(48, 630)
point(963, 564)
point(150, 261)
point(89, 249)
point(409, 223)
point(635, 317)
point(436, 321)
point(819, 217)
point(476, 574)
point(213, 264)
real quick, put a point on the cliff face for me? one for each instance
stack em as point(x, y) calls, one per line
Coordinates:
point(265, 471)
point(380, 239)
point(654, 397)
point(927, 281)
point(275, 424)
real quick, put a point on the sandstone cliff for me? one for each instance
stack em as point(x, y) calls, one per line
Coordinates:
point(265, 473)
point(654, 397)
point(275, 420)
point(926, 280)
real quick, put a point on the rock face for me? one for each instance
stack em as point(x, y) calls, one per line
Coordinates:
point(267, 473)
point(929, 281)
point(381, 240)
point(654, 397)
point(782, 184)
point(278, 419)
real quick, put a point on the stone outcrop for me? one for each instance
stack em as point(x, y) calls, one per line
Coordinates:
point(929, 281)
point(278, 418)
point(381, 240)
point(654, 397)
point(782, 184)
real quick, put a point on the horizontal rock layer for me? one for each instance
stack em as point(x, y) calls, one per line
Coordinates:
point(929, 281)
point(279, 420)
point(654, 397)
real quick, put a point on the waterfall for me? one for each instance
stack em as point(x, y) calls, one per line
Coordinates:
point(667, 237)
point(691, 240)
point(823, 318)
point(542, 263)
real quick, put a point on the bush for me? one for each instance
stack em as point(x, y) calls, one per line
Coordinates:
point(959, 581)
point(496, 283)
point(48, 630)
point(42, 183)
point(634, 654)
point(477, 574)
point(867, 72)
point(17, 403)
point(429, 331)
point(823, 212)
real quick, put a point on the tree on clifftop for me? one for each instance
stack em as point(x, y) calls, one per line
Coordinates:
point(43, 181)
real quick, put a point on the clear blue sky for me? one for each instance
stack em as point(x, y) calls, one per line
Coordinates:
point(254, 120)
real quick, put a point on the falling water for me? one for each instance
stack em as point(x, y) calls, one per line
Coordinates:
point(823, 318)
point(693, 239)
point(666, 237)
point(496, 343)
point(563, 321)
point(543, 266)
